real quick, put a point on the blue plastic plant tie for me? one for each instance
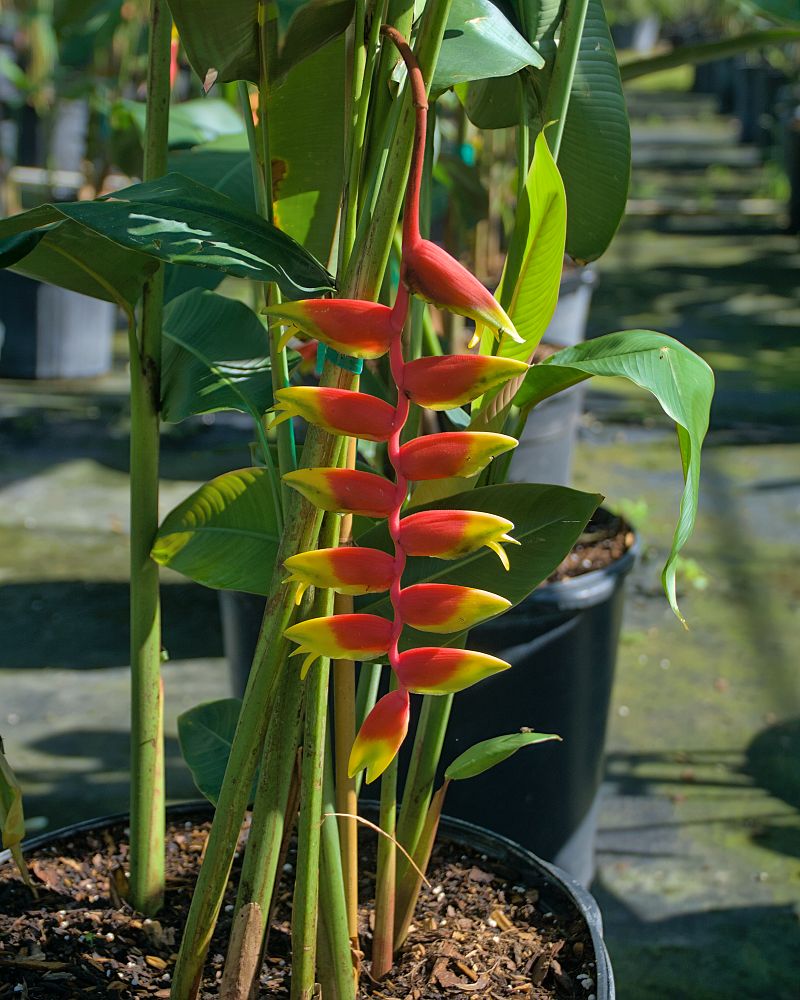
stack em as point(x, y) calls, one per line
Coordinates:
point(354, 365)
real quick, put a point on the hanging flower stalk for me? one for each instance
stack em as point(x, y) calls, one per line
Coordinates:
point(368, 330)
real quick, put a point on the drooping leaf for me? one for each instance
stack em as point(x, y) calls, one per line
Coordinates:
point(479, 42)
point(532, 273)
point(547, 522)
point(679, 379)
point(225, 534)
point(205, 733)
point(191, 122)
point(595, 154)
point(215, 356)
point(484, 755)
point(172, 219)
point(12, 820)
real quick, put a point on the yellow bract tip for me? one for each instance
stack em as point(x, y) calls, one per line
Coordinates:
point(501, 553)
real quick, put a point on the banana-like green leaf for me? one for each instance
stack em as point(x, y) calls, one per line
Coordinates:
point(595, 154)
point(540, 17)
point(679, 379)
point(480, 42)
point(172, 219)
point(221, 39)
point(12, 821)
point(225, 534)
point(190, 123)
point(307, 149)
point(547, 522)
point(205, 733)
point(215, 356)
point(532, 273)
point(485, 755)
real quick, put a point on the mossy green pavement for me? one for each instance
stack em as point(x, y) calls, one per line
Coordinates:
point(700, 842)
point(699, 877)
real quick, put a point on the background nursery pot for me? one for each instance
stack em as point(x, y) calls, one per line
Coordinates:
point(562, 644)
point(559, 893)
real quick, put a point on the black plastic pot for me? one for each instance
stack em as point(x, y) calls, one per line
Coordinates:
point(562, 644)
point(50, 332)
point(558, 892)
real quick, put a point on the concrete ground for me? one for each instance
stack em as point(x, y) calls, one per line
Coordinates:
point(700, 833)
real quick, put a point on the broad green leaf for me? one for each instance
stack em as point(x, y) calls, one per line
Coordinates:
point(205, 733)
point(313, 25)
point(63, 253)
point(480, 42)
point(225, 534)
point(307, 148)
point(484, 755)
point(779, 10)
point(221, 39)
point(12, 821)
point(191, 122)
point(532, 273)
point(679, 379)
point(172, 219)
point(595, 155)
point(215, 356)
point(495, 103)
point(541, 18)
point(547, 522)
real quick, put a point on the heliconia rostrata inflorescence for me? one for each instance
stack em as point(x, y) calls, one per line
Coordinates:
point(369, 330)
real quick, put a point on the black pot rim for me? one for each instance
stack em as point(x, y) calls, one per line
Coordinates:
point(460, 831)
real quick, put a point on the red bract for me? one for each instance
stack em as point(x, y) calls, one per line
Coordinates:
point(381, 735)
point(445, 607)
point(350, 326)
point(441, 383)
point(455, 453)
point(347, 491)
point(339, 411)
point(450, 534)
point(435, 670)
point(436, 276)
point(346, 570)
point(349, 637)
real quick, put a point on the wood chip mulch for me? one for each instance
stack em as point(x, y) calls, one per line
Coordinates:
point(475, 931)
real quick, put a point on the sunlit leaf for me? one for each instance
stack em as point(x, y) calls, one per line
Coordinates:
point(12, 821)
point(679, 379)
point(172, 219)
point(191, 122)
point(225, 534)
point(484, 755)
point(479, 41)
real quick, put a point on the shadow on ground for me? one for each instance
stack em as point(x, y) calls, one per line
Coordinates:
point(80, 625)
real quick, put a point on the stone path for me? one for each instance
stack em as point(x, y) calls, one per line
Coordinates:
point(700, 832)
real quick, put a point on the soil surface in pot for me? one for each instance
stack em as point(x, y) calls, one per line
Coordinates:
point(475, 931)
point(605, 540)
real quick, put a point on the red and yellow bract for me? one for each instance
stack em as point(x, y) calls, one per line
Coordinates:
point(453, 453)
point(350, 326)
point(347, 491)
point(442, 383)
point(345, 637)
point(450, 534)
point(381, 735)
point(435, 670)
point(338, 411)
point(346, 570)
point(446, 607)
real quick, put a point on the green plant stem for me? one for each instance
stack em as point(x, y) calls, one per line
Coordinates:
point(147, 737)
point(425, 754)
point(385, 879)
point(361, 280)
point(335, 961)
point(259, 188)
point(305, 906)
point(267, 42)
point(267, 829)
point(703, 52)
point(557, 101)
point(408, 888)
point(369, 680)
point(523, 144)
